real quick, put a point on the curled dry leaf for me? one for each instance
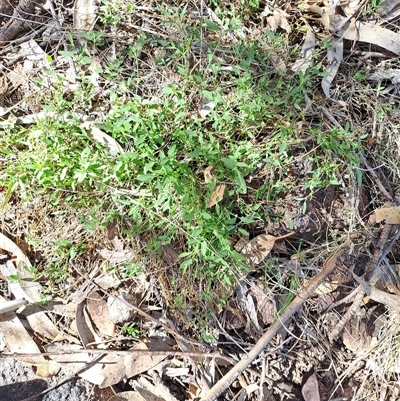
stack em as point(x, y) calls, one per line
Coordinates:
point(260, 247)
point(335, 57)
point(307, 51)
point(390, 214)
point(368, 32)
point(216, 195)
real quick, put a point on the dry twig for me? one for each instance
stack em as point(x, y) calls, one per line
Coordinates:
point(224, 383)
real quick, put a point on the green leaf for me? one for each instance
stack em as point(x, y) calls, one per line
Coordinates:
point(188, 216)
point(211, 26)
point(86, 60)
point(10, 189)
point(204, 248)
point(145, 177)
point(229, 162)
point(227, 280)
point(240, 182)
point(247, 220)
point(168, 90)
point(186, 264)
point(66, 53)
point(243, 231)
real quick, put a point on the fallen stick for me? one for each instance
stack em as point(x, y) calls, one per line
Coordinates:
point(224, 383)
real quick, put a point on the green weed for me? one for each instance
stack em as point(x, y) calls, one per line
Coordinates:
point(167, 145)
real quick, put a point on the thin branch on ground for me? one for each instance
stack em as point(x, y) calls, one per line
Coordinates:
point(224, 383)
point(377, 181)
point(116, 351)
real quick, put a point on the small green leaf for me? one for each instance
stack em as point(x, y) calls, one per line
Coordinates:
point(229, 162)
point(145, 177)
point(247, 220)
point(66, 53)
point(168, 90)
point(206, 216)
point(86, 60)
point(243, 231)
point(204, 248)
point(186, 264)
point(10, 189)
point(240, 182)
point(227, 280)
point(211, 26)
point(188, 216)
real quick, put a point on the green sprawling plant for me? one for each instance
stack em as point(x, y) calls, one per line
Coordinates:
point(157, 181)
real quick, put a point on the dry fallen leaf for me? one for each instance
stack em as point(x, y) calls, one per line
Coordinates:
point(389, 9)
point(390, 300)
point(390, 214)
point(307, 51)
point(335, 57)
point(19, 340)
point(310, 389)
point(153, 392)
point(127, 396)
point(349, 7)
point(98, 311)
point(208, 176)
point(216, 196)
point(368, 32)
point(260, 247)
point(206, 109)
point(85, 15)
point(278, 19)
